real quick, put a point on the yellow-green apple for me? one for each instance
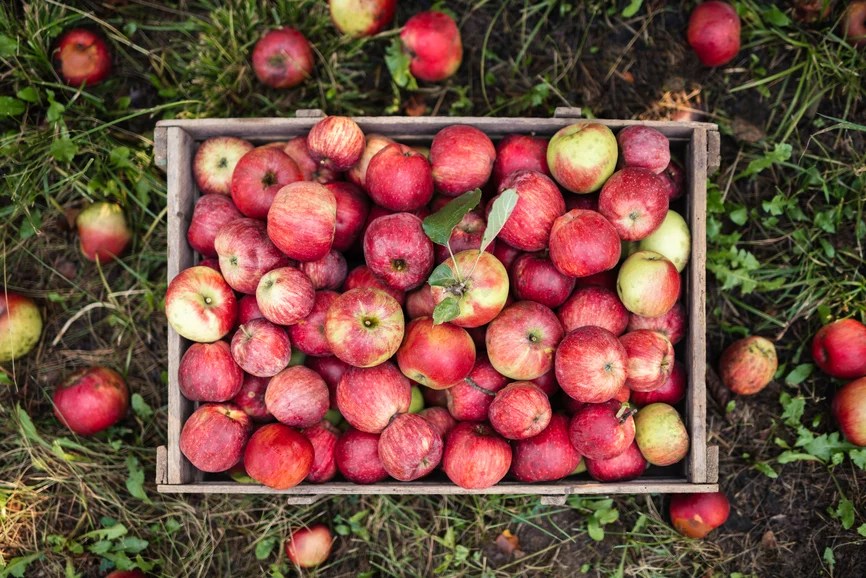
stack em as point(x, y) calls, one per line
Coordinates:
point(309, 547)
point(302, 221)
point(397, 250)
point(849, 411)
point(352, 209)
point(362, 277)
point(246, 253)
point(285, 295)
point(91, 400)
point(583, 243)
point(261, 348)
point(714, 32)
point(283, 58)
point(323, 437)
point(539, 205)
point(211, 212)
point(248, 309)
point(278, 456)
point(535, 278)
point(596, 306)
point(297, 150)
point(600, 431)
point(103, 232)
point(628, 465)
point(373, 144)
point(336, 142)
point(357, 457)
point(635, 201)
point(520, 410)
point(591, 365)
point(671, 392)
point(644, 146)
point(329, 272)
point(854, 23)
point(518, 152)
point(581, 156)
point(331, 369)
point(410, 447)
point(462, 159)
point(361, 17)
point(467, 235)
point(208, 372)
point(674, 177)
point(213, 437)
point(748, 365)
point(648, 284)
point(417, 403)
point(214, 163)
point(419, 303)
point(672, 239)
point(470, 399)
point(399, 178)
point(251, 398)
point(672, 324)
point(257, 178)
point(440, 419)
point(522, 340)
point(433, 42)
point(200, 305)
point(660, 434)
point(308, 334)
point(481, 292)
point(839, 349)
point(545, 457)
point(364, 326)
point(650, 359)
point(20, 325)
point(370, 397)
point(82, 56)
point(436, 356)
point(696, 515)
point(475, 456)
point(297, 396)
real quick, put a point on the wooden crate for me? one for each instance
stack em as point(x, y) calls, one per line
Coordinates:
point(175, 144)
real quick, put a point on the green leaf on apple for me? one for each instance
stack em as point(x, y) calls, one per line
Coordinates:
point(502, 208)
point(446, 310)
point(397, 62)
point(440, 224)
point(442, 276)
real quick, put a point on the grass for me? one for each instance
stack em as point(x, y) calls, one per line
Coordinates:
point(786, 234)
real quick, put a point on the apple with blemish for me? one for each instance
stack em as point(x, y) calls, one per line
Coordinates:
point(397, 249)
point(547, 456)
point(283, 58)
point(475, 456)
point(591, 365)
point(285, 295)
point(410, 447)
point(482, 291)
point(246, 253)
point(302, 221)
point(20, 325)
point(582, 156)
point(261, 348)
point(91, 400)
point(103, 232)
point(534, 277)
point(436, 356)
point(297, 150)
point(539, 205)
point(82, 56)
point(399, 178)
point(370, 397)
point(364, 327)
point(208, 372)
point(336, 142)
point(584, 243)
point(462, 158)
point(748, 365)
point(650, 359)
point(200, 305)
point(520, 410)
point(648, 284)
point(433, 43)
point(518, 152)
point(257, 178)
point(215, 161)
point(357, 457)
point(696, 515)
point(522, 340)
point(278, 456)
point(213, 437)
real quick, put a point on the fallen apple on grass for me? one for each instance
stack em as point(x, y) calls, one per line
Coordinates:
point(839, 349)
point(283, 58)
point(103, 232)
point(849, 411)
point(20, 325)
point(361, 17)
point(714, 32)
point(91, 400)
point(748, 365)
point(309, 547)
point(433, 41)
point(82, 56)
point(696, 515)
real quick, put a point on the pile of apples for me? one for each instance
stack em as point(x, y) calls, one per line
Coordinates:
point(526, 316)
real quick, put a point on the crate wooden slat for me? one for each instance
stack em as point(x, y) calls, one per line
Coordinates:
point(175, 142)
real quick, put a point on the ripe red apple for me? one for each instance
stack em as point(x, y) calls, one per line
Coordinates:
point(591, 365)
point(20, 325)
point(336, 142)
point(352, 209)
point(462, 159)
point(519, 152)
point(483, 289)
point(584, 243)
point(606, 279)
point(748, 365)
point(215, 161)
point(261, 348)
point(849, 411)
point(644, 146)
point(397, 250)
point(546, 457)
point(521, 341)
point(439, 418)
point(520, 411)
point(535, 278)
point(126, 574)
point(369, 397)
point(470, 399)
point(209, 373)
point(839, 349)
point(854, 23)
point(309, 547)
point(102, 232)
point(714, 32)
point(539, 205)
point(297, 396)
point(410, 447)
point(467, 235)
point(582, 156)
point(357, 457)
point(674, 177)
point(82, 56)
point(433, 42)
point(361, 277)
point(213, 437)
point(600, 431)
point(257, 178)
point(437, 356)
point(650, 359)
point(285, 296)
point(635, 201)
point(547, 383)
point(91, 400)
point(302, 221)
point(594, 306)
point(660, 434)
point(374, 143)
point(200, 305)
point(329, 272)
point(475, 456)
point(628, 465)
point(331, 369)
point(297, 150)
point(323, 437)
point(211, 212)
point(364, 327)
point(696, 515)
point(672, 324)
point(506, 254)
point(420, 303)
point(283, 58)
point(671, 392)
point(278, 456)
point(251, 398)
point(246, 253)
point(648, 284)
point(361, 17)
point(308, 334)
point(248, 309)
point(399, 178)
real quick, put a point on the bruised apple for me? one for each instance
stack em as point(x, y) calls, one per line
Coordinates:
point(748, 365)
point(696, 515)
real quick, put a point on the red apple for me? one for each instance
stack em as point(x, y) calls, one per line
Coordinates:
point(302, 221)
point(518, 152)
point(261, 348)
point(82, 56)
point(591, 365)
point(297, 396)
point(323, 437)
point(420, 303)
point(584, 243)
point(594, 306)
point(439, 418)
point(587, 202)
point(696, 515)
point(854, 23)
point(628, 465)
point(361, 17)
point(849, 411)
point(285, 295)
point(539, 205)
point(399, 178)
point(467, 235)
point(199, 305)
point(278, 456)
point(839, 349)
point(283, 58)
point(20, 325)
point(605, 279)
point(506, 254)
point(410, 447)
point(374, 143)
point(126, 574)
point(309, 547)
point(297, 150)
point(91, 400)
point(482, 292)
point(331, 369)
point(470, 399)
point(213, 437)
point(582, 156)
point(437, 356)
point(671, 392)
point(547, 383)
point(397, 250)
point(660, 434)
point(462, 159)
point(535, 278)
point(714, 32)
point(521, 341)
point(600, 431)
point(248, 309)
point(352, 209)
point(650, 359)
point(369, 397)
point(215, 161)
point(433, 43)
point(635, 201)
point(308, 334)
point(748, 365)
point(645, 147)
point(329, 272)
point(209, 373)
point(364, 327)
point(336, 142)
point(357, 457)
point(546, 457)
point(674, 177)
point(257, 178)
point(251, 398)
point(648, 284)
point(672, 324)
point(246, 253)
point(475, 456)
point(361, 277)
point(519, 411)
point(210, 213)
point(102, 232)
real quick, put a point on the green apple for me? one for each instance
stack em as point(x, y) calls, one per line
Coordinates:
point(417, 403)
point(661, 434)
point(672, 239)
point(20, 326)
point(582, 156)
point(648, 284)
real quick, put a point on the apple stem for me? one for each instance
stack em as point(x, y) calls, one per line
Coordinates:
point(625, 412)
point(472, 383)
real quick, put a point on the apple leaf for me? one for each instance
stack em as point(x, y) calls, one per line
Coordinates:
point(439, 225)
point(632, 8)
point(10, 106)
point(398, 62)
point(442, 276)
point(446, 310)
point(502, 209)
point(135, 479)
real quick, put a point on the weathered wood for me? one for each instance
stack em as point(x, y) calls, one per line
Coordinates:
point(161, 465)
point(304, 500)
point(713, 464)
point(714, 151)
point(567, 112)
point(552, 500)
point(309, 113)
point(159, 146)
